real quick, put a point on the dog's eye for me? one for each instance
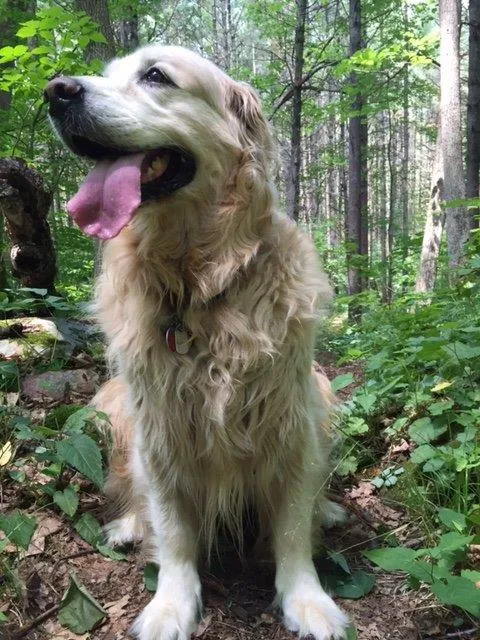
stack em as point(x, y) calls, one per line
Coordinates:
point(157, 76)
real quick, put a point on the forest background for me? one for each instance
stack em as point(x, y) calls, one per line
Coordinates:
point(375, 106)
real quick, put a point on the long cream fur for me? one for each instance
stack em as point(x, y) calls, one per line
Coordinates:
point(241, 418)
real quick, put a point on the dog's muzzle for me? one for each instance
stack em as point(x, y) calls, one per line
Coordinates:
point(123, 178)
point(63, 93)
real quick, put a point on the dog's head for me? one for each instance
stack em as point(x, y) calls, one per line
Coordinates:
point(158, 122)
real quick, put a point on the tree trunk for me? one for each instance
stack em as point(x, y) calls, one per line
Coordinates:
point(434, 222)
point(357, 226)
point(128, 31)
point(24, 203)
point(457, 223)
point(405, 176)
point(98, 12)
point(293, 186)
point(393, 187)
point(383, 219)
point(473, 108)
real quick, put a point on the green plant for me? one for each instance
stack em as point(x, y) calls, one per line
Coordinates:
point(440, 567)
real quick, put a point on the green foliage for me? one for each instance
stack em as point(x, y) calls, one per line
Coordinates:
point(18, 528)
point(434, 566)
point(67, 500)
point(422, 370)
point(422, 373)
point(79, 611)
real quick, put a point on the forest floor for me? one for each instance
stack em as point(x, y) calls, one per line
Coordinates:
point(237, 595)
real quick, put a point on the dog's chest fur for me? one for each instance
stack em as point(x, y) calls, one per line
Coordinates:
point(228, 407)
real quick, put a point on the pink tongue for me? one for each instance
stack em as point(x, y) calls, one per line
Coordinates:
point(109, 197)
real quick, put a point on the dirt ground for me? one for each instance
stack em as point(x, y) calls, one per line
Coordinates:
point(237, 595)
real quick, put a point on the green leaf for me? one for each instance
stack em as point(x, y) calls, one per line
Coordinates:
point(460, 592)
point(356, 426)
point(437, 408)
point(449, 542)
point(474, 576)
point(89, 529)
point(82, 453)
point(423, 430)
point(150, 577)
point(18, 528)
point(358, 584)
point(28, 29)
point(341, 381)
point(67, 500)
point(77, 421)
point(461, 350)
point(366, 401)
point(97, 37)
point(347, 466)
point(108, 552)
point(452, 519)
point(79, 611)
point(339, 558)
point(392, 558)
point(351, 633)
point(422, 453)
point(3, 617)
point(18, 476)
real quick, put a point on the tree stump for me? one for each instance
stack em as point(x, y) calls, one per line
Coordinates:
point(24, 203)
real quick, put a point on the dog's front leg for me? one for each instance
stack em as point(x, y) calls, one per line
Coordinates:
point(307, 609)
point(173, 612)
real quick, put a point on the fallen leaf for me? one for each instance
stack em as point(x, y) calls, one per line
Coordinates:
point(115, 609)
point(363, 490)
point(6, 452)
point(267, 618)
point(79, 611)
point(202, 626)
point(46, 526)
point(55, 632)
point(12, 398)
point(403, 446)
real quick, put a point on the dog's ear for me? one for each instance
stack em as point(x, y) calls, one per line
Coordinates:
point(244, 102)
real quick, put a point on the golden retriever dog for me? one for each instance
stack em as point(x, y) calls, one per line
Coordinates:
point(209, 299)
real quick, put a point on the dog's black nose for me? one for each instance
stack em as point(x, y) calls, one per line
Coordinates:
point(61, 93)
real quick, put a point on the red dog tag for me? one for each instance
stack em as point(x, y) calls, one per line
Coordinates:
point(177, 341)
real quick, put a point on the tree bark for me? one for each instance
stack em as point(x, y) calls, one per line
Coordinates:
point(357, 223)
point(98, 12)
point(405, 177)
point(434, 222)
point(128, 31)
point(473, 109)
point(457, 223)
point(293, 186)
point(24, 203)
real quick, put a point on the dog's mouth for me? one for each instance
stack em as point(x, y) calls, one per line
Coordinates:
point(120, 181)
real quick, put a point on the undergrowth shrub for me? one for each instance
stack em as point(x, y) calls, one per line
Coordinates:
point(421, 363)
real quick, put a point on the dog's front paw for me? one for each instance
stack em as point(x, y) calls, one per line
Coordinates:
point(308, 610)
point(171, 615)
point(123, 530)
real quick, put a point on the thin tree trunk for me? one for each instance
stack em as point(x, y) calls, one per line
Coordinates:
point(128, 30)
point(98, 12)
point(457, 223)
point(383, 208)
point(293, 186)
point(434, 222)
point(392, 169)
point(405, 176)
point(473, 108)
point(357, 226)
